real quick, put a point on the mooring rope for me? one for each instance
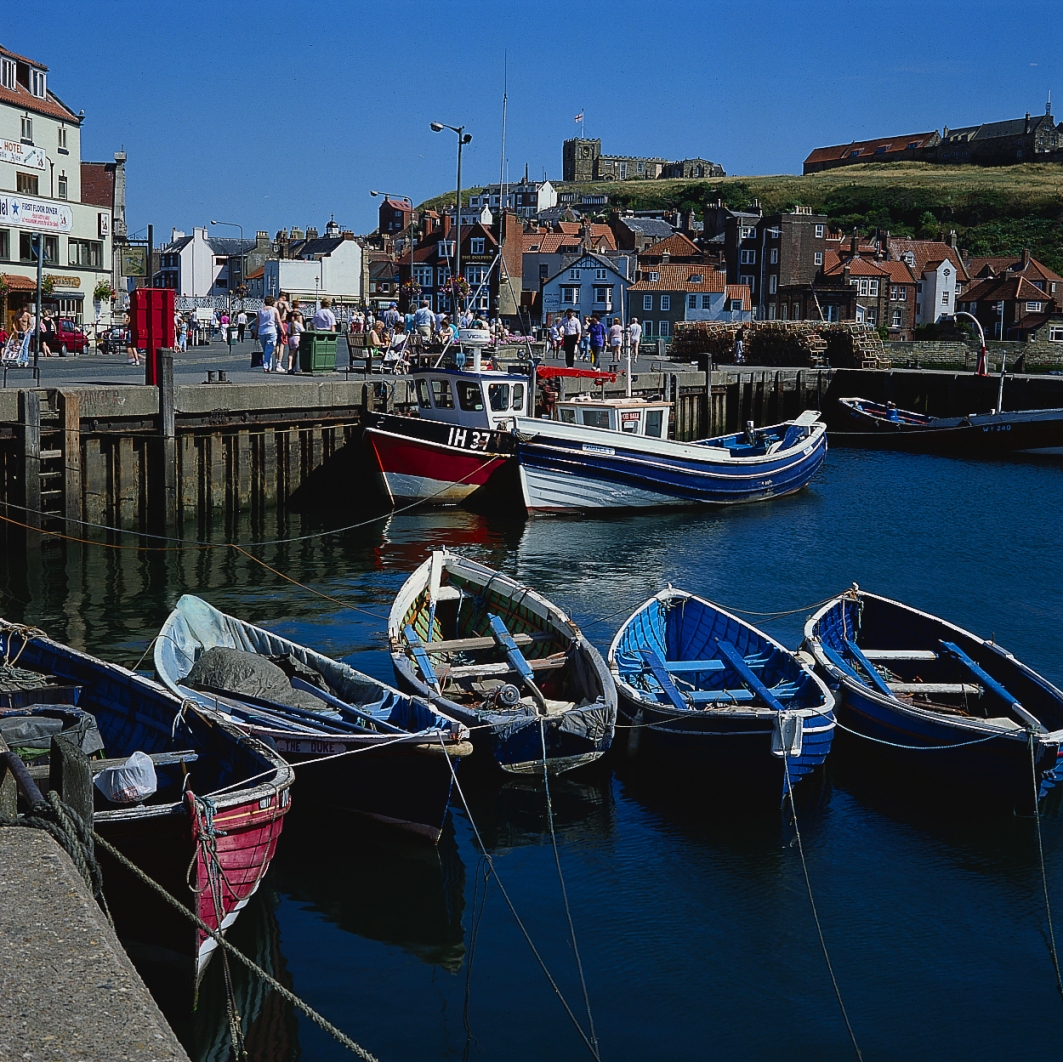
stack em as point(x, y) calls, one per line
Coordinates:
point(564, 893)
point(1044, 875)
point(218, 939)
point(516, 917)
point(484, 871)
point(815, 913)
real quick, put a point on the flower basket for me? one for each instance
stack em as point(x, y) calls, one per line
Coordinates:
point(103, 290)
point(458, 288)
point(411, 289)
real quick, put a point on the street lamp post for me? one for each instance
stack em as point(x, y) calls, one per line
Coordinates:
point(463, 139)
point(982, 368)
point(392, 195)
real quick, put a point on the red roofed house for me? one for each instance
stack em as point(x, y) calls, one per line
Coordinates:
point(884, 288)
point(939, 273)
point(1009, 306)
point(667, 293)
point(394, 215)
point(46, 192)
point(886, 149)
point(1038, 274)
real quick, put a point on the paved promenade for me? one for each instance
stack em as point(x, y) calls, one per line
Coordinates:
point(69, 992)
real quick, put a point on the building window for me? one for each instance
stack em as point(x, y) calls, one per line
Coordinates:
point(946, 294)
point(476, 245)
point(476, 275)
point(747, 232)
point(39, 83)
point(871, 316)
point(446, 248)
point(647, 328)
point(25, 248)
point(26, 183)
point(570, 295)
point(1034, 307)
point(859, 315)
point(573, 274)
point(62, 186)
point(819, 232)
point(902, 294)
point(706, 302)
point(692, 302)
point(1055, 334)
point(773, 284)
point(663, 327)
point(647, 303)
point(544, 271)
point(872, 287)
point(5, 245)
point(817, 258)
point(893, 292)
point(62, 138)
point(7, 74)
point(603, 296)
point(653, 276)
point(749, 280)
point(666, 304)
point(747, 257)
point(895, 321)
point(442, 276)
point(775, 256)
point(599, 274)
point(85, 253)
point(27, 129)
point(422, 276)
point(830, 312)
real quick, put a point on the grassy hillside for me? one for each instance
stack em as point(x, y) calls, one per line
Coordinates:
point(997, 210)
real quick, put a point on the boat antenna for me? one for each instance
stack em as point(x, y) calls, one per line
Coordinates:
point(502, 163)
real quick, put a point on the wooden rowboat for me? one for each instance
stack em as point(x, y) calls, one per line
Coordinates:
point(493, 653)
point(704, 690)
point(208, 833)
point(389, 751)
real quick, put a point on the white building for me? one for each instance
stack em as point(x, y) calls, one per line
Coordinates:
point(525, 199)
point(319, 267)
point(198, 266)
point(939, 274)
point(40, 195)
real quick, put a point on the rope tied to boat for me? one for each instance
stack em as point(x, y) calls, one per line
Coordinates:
point(56, 818)
point(222, 943)
point(812, 904)
point(1041, 856)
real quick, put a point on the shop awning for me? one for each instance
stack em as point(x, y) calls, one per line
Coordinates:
point(16, 282)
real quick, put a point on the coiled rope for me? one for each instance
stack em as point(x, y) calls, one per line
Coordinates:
point(812, 904)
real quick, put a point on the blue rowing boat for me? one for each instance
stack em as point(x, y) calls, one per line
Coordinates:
point(702, 689)
point(614, 453)
point(938, 698)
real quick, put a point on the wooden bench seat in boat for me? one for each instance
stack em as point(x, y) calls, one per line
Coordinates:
point(458, 645)
point(679, 667)
point(159, 759)
point(546, 663)
point(900, 654)
point(971, 689)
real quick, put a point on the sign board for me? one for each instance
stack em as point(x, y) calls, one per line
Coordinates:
point(134, 261)
point(63, 281)
point(104, 221)
point(26, 213)
point(32, 158)
point(551, 300)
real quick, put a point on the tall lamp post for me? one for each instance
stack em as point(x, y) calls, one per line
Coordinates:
point(406, 198)
point(463, 139)
point(982, 368)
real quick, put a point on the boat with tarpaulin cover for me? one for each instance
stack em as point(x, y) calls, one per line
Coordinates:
point(702, 690)
point(490, 651)
point(376, 751)
point(937, 699)
point(208, 831)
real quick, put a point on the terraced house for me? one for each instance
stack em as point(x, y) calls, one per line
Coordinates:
point(41, 186)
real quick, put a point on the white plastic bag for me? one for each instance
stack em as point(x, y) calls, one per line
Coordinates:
point(131, 782)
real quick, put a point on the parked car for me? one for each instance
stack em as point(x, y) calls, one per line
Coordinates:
point(69, 339)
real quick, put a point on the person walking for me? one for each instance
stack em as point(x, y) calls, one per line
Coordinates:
point(571, 330)
point(585, 339)
point(26, 322)
point(423, 320)
point(598, 337)
point(48, 333)
point(634, 337)
point(182, 333)
point(555, 340)
point(241, 326)
point(616, 339)
point(391, 317)
point(268, 328)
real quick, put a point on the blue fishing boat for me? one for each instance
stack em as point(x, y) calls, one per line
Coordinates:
point(491, 652)
point(203, 821)
point(939, 699)
point(614, 453)
point(727, 704)
point(376, 751)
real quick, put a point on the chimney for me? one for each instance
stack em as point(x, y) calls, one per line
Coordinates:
point(311, 234)
point(446, 225)
point(1026, 127)
point(854, 244)
point(118, 225)
point(952, 241)
point(525, 173)
point(1025, 260)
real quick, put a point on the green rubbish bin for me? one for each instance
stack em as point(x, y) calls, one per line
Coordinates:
point(317, 352)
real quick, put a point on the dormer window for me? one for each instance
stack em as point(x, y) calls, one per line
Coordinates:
point(653, 275)
point(7, 74)
point(695, 278)
point(38, 83)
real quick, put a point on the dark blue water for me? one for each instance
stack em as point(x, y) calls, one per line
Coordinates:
point(692, 919)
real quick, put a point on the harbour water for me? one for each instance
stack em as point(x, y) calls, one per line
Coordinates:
point(692, 917)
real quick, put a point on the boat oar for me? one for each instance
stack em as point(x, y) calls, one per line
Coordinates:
point(343, 706)
point(516, 659)
point(274, 709)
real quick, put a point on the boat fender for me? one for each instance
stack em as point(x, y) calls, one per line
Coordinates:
point(787, 734)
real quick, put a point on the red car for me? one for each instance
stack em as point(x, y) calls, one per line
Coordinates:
point(69, 339)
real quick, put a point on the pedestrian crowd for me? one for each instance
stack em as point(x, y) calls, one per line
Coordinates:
point(590, 337)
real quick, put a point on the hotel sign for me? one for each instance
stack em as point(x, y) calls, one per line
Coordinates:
point(32, 158)
point(36, 214)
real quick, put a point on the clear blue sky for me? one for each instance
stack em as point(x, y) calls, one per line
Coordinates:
point(276, 114)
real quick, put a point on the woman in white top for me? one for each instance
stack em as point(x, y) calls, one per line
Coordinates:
point(269, 322)
point(295, 327)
